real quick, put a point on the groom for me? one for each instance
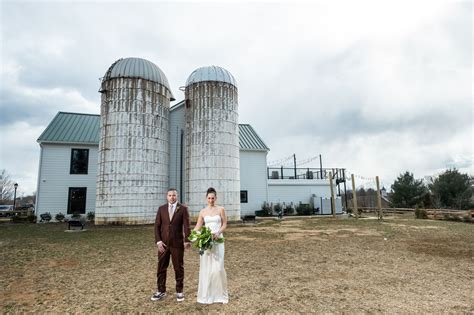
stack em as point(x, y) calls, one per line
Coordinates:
point(171, 236)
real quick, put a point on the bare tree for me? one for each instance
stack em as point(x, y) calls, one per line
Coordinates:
point(29, 199)
point(6, 186)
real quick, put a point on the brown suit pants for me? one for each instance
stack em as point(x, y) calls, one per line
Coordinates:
point(177, 255)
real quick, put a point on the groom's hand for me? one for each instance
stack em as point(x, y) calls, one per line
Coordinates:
point(187, 245)
point(161, 247)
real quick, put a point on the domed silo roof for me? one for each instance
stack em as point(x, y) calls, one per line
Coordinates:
point(137, 68)
point(211, 73)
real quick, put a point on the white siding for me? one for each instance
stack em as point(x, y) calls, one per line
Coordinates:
point(54, 178)
point(177, 123)
point(253, 178)
point(297, 190)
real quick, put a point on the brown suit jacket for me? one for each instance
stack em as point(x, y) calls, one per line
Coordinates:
point(173, 233)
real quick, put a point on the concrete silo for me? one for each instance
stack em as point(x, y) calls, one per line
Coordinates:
point(134, 142)
point(212, 140)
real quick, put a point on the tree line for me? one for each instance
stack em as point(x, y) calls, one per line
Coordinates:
point(450, 189)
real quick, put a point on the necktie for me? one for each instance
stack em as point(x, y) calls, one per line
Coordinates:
point(170, 211)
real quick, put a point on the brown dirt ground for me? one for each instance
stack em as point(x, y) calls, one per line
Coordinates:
point(321, 265)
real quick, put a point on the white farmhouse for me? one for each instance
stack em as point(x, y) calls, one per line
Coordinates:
point(68, 164)
point(68, 168)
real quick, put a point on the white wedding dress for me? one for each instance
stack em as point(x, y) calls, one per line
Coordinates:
point(212, 276)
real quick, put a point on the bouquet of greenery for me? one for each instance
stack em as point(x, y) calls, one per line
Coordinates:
point(202, 239)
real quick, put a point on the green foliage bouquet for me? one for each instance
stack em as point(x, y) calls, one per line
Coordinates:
point(202, 239)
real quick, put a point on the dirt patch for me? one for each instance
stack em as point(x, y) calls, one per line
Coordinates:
point(62, 263)
point(415, 227)
point(441, 247)
point(327, 234)
point(307, 265)
point(243, 238)
point(305, 236)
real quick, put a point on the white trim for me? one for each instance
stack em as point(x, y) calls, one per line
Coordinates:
point(38, 180)
point(298, 182)
point(66, 142)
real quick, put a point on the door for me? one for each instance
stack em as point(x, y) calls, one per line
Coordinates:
point(77, 200)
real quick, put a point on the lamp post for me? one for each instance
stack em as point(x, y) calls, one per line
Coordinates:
point(14, 196)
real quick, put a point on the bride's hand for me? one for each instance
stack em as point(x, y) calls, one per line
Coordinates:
point(215, 236)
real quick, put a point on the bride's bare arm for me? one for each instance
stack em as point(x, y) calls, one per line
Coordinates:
point(224, 220)
point(199, 222)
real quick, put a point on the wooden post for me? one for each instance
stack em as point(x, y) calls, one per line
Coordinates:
point(354, 198)
point(320, 167)
point(333, 204)
point(379, 199)
point(294, 160)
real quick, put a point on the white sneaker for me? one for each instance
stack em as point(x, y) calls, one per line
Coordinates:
point(158, 296)
point(180, 297)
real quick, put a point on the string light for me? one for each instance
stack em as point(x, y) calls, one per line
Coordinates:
point(280, 162)
point(288, 161)
point(311, 159)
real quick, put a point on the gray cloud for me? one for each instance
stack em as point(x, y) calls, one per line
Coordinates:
point(353, 83)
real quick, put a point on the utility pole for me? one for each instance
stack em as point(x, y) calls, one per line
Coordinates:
point(294, 160)
point(14, 197)
point(345, 190)
point(354, 198)
point(379, 200)
point(320, 167)
point(338, 171)
point(333, 204)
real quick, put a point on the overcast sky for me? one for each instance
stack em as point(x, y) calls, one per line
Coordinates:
point(377, 87)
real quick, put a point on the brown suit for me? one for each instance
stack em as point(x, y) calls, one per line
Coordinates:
point(173, 234)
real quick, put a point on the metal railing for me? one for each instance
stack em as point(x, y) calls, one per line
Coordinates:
point(306, 173)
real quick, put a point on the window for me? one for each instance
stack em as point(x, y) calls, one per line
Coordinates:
point(79, 161)
point(243, 196)
point(77, 200)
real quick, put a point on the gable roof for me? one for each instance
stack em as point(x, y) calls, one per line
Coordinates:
point(72, 128)
point(249, 140)
point(80, 128)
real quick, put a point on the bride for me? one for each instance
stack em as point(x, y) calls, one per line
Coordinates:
point(212, 276)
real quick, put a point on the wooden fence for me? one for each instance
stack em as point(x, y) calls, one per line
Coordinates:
point(436, 213)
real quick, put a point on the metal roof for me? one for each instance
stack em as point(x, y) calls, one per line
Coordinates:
point(137, 68)
point(177, 105)
point(84, 129)
point(72, 128)
point(249, 140)
point(211, 73)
